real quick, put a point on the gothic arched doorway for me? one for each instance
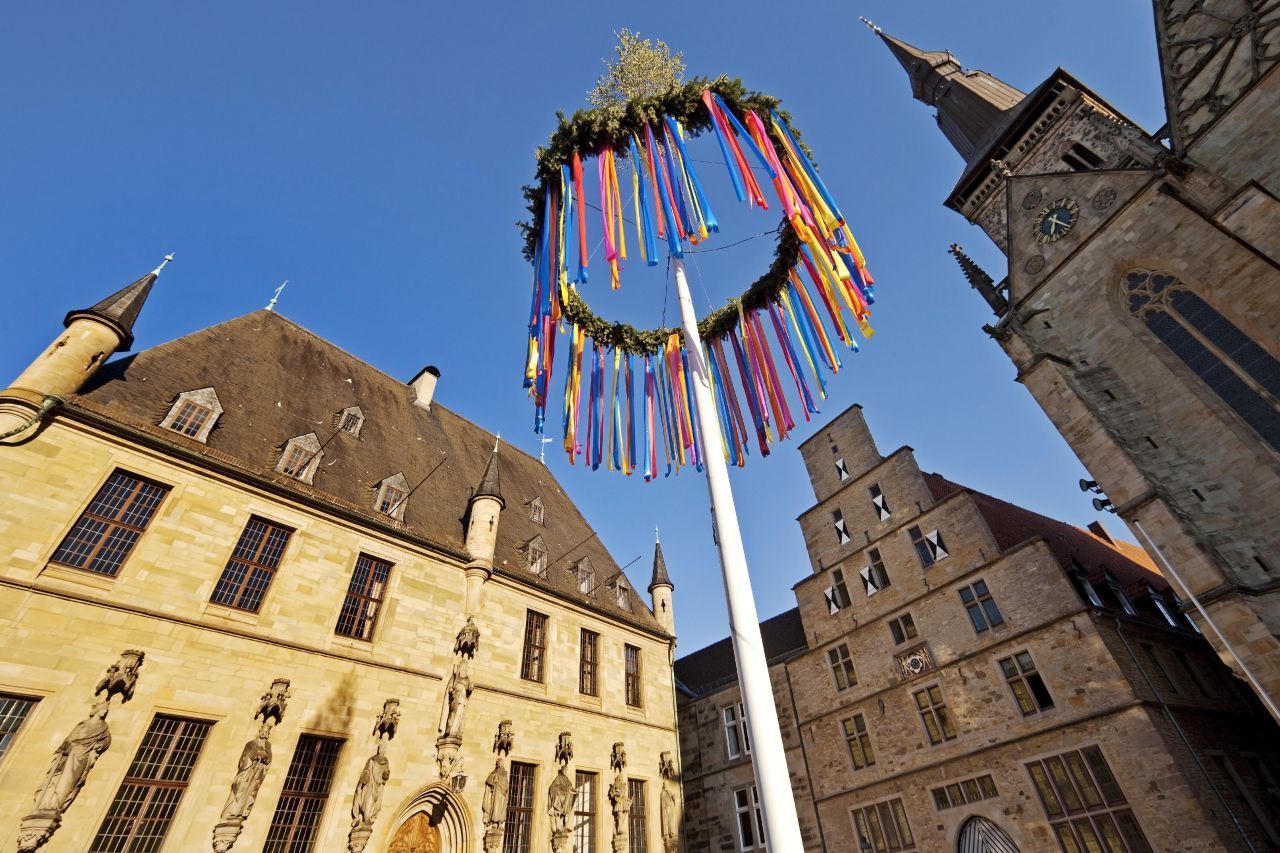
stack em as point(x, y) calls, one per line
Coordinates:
point(435, 821)
point(980, 835)
point(416, 835)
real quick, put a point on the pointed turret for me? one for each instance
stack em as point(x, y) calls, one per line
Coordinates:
point(120, 310)
point(973, 106)
point(660, 576)
point(93, 335)
point(980, 281)
point(660, 589)
point(490, 485)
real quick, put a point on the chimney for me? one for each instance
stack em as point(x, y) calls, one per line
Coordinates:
point(424, 386)
point(1096, 528)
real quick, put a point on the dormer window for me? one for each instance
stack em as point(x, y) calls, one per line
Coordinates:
point(193, 414)
point(393, 494)
point(1158, 601)
point(537, 511)
point(535, 553)
point(621, 593)
point(301, 457)
point(584, 575)
point(1086, 586)
point(351, 420)
point(1118, 592)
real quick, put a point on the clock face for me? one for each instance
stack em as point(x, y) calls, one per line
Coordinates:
point(1056, 221)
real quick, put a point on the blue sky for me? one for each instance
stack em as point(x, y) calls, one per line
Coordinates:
point(373, 155)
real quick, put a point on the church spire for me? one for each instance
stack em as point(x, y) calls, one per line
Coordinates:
point(120, 310)
point(972, 106)
point(980, 280)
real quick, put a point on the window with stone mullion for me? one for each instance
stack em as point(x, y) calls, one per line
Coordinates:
point(584, 812)
point(145, 804)
point(296, 822)
point(535, 646)
point(105, 534)
point(1085, 806)
point(519, 825)
point(363, 601)
point(251, 566)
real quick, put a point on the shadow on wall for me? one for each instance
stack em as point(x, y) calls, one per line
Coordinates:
point(336, 713)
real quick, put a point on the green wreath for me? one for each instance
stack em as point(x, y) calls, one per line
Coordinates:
point(588, 131)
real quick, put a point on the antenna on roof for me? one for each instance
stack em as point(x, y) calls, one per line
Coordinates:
point(542, 452)
point(275, 297)
point(166, 260)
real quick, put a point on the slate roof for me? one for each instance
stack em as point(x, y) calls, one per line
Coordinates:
point(709, 669)
point(276, 381)
point(1011, 525)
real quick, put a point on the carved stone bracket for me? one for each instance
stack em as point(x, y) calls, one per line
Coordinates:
point(366, 802)
point(255, 758)
point(494, 804)
point(76, 755)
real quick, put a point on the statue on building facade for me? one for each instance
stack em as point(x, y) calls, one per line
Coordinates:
point(251, 770)
point(667, 804)
point(366, 802)
point(457, 692)
point(560, 795)
point(255, 758)
point(493, 806)
point(619, 797)
point(76, 756)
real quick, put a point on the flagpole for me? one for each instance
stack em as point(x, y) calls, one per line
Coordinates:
point(769, 759)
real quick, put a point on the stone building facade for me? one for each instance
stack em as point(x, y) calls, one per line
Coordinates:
point(1142, 301)
point(251, 590)
point(965, 674)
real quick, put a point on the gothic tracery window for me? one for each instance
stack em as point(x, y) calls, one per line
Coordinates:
point(1244, 375)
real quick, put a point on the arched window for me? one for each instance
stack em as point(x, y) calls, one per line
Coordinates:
point(980, 835)
point(1244, 375)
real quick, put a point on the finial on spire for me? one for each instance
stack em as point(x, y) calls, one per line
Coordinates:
point(275, 297)
point(166, 260)
point(656, 537)
point(870, 25)
point(497, 438)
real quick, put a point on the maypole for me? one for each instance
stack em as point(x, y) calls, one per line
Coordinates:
point(769, 758)
point(705, 393)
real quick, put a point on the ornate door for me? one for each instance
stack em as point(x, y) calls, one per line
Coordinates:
point(416, 835)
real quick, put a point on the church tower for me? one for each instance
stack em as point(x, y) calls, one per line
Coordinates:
point(92, 336)
point(1142, 301)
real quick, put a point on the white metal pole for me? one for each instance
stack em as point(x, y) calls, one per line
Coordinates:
point(769, 759)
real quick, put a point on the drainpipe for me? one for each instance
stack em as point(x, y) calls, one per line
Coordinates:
point(47, 405)
point(1183, 735)
point(1168, 567)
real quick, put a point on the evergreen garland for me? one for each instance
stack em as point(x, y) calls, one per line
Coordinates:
point(612, 126)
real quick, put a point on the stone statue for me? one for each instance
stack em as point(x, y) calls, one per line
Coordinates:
point(667, 811)
point(389, 720)
point(254, 760)
point(368, 798)
point(468, 640)
point(494, 804)
point(620, 800)
point(73, 760)
point(121, 676)
point(503, 739)
point(618, 758)
point(457, 694)
point(560, 802)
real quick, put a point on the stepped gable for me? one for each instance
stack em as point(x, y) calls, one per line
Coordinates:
point(701, 672)
point(277, 380)
point(1013, 525)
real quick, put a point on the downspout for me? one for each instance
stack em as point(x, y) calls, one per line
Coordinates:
point(1183, 735)
point(675, 719)
point(1168, 567)
point(48, 403)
